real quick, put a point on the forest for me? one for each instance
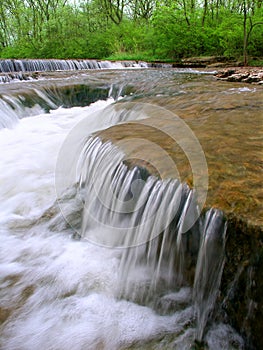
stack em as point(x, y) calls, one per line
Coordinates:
point(131, 29)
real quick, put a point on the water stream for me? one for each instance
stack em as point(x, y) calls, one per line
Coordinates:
point(97, 257)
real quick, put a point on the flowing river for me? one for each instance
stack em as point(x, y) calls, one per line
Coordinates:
point(84, 268)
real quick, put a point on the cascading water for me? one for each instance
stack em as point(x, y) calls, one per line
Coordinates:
point(136, 277)
point(209, 267)
point(41, 65)
point(146, 216)
point(39, 99)
point(13, 70)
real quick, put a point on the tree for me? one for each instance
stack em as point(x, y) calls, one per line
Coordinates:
point(249, 25)
point(142, 9)
point(164, 29)
point(114, 9)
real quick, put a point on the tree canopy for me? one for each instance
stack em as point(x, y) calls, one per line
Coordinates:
point(131, 29)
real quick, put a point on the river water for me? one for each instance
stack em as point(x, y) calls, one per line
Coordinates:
point(60, 291)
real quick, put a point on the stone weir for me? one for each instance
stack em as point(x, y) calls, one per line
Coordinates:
point(28, 69)
point(48, 65)
point(240, 299)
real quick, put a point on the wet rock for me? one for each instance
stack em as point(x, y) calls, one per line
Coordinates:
point(4, 314)
point(160, 65)
point(205, 61)
point(241, 298)
point(237, 77)
point(252, 79)
point(218, 65)
point(245, 75)
point(225, 73)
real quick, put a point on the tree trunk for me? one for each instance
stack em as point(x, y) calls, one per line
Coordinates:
point(245, 56)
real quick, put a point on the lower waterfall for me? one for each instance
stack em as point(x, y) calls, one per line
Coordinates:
point(145, 217)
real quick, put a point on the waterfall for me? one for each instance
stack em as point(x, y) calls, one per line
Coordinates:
point(8, 115)
point(42, 99)
point(145, 217)
point(209, 267)
point(46, 65)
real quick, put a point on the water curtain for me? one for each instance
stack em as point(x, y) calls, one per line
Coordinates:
point(145, 217)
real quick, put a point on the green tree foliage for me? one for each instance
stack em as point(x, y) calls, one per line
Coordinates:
point(145, 29)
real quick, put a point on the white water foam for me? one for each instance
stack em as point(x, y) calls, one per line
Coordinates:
point(28, 159)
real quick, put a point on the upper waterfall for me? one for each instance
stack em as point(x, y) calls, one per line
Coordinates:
point(48, 65)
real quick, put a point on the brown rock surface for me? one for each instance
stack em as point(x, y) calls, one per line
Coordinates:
point(231, 141)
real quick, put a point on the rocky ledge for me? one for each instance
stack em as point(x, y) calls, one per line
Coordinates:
point(245, 75)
